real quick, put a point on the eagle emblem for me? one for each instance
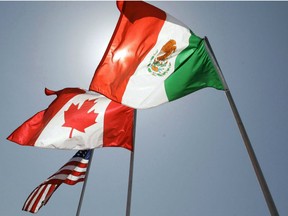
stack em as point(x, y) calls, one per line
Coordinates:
point(159, 64)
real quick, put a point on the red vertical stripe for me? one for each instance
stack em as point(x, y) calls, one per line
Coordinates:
point(29, 131)
point(133, 38)
point(37, 200)
point(118, 126)
point(51, 190)
point(30, 198)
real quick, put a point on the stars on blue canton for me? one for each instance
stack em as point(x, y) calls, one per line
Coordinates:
point(83, 154)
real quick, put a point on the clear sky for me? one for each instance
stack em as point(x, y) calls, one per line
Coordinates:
point(189, 155)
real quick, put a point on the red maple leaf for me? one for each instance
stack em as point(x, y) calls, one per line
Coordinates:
point(78, 117)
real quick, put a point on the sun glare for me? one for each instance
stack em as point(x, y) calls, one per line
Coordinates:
point(120, 55)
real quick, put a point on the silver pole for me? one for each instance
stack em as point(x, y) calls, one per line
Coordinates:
point(130, 181)
point(84, 184)
point(251, 153)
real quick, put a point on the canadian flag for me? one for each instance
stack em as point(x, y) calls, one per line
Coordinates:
point(78, 119)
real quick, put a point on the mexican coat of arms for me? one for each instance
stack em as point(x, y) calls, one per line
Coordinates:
point(159, 64)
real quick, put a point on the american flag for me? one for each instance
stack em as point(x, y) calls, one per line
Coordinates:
point(71, 173)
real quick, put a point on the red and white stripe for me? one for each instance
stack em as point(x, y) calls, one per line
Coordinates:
point(71, 173)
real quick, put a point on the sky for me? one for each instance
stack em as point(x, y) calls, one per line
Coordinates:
point(189, 156)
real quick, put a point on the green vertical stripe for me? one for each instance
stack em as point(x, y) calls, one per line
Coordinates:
point(194, 70)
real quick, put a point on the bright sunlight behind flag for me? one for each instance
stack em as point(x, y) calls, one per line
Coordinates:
point(71, 173)
point(152, 58)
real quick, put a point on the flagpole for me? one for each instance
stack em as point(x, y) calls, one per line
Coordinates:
point(130, 181)
point(246, 140)
point(84, 184)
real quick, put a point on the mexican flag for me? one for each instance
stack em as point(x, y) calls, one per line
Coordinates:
point(152, 58)
point(78, 119)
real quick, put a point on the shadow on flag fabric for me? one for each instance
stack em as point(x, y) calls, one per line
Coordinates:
point(152, 58)
point(72, 172)
point(78, 119)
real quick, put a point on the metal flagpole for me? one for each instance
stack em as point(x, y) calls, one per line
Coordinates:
point(130, 181)
point(84, 184)
point(256, 166)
